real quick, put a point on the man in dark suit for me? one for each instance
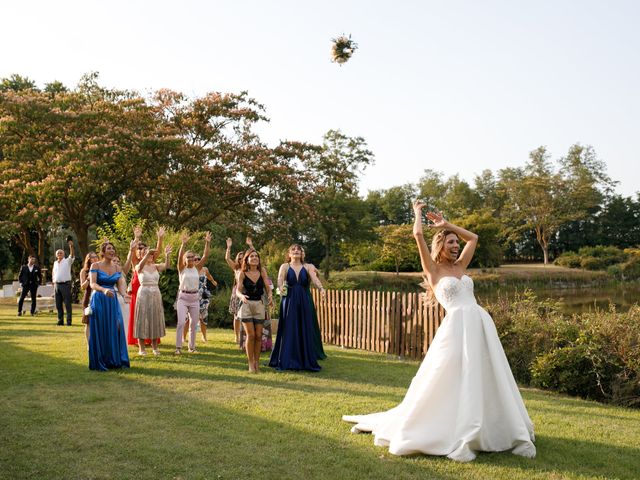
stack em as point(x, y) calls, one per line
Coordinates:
point(30, 277)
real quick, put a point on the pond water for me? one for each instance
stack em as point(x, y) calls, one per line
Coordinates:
point(575, 300)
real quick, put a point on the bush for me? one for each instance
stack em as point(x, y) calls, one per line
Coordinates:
point(565, 370)
point(614, 271)
point(526, 327)
point(593, 355)
point(593, 263)
point(219, 315)
point(168, 284)
point(601, 360)
point(609, 255)
point(569, 260)
point(630, 270)
point(596, 258)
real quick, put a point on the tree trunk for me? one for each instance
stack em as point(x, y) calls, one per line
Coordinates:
point(82, 235)
point(25, 242)
point(543, 241)
point(41, 235)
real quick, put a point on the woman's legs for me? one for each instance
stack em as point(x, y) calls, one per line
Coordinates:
point(181, 310)
point(236, 328)
point(203, 329)
point(186, 328)
point(250, 341)
point(194, 315)
point(141, 347)
point(257, 346)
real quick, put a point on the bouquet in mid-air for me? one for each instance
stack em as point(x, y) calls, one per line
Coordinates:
point(342, 49)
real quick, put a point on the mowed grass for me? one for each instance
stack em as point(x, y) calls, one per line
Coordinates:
point(203, 416)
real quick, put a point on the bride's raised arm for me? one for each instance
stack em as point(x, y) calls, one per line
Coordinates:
point(428, 265)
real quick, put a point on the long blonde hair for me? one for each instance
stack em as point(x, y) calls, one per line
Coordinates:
point(437, 246)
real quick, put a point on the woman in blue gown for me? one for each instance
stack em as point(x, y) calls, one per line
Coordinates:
point(107, 338)
point(295, 347)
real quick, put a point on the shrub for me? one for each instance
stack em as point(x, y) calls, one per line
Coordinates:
point(630, 270)
point(615, 271)
point(609, 255)
point(593, 355)
point(593, 263)
point(526, 327)
point(568, 259)
point(600, 360)
point(219, 315)
point(168, 284)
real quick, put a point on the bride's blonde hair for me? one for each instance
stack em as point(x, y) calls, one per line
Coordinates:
point(437, 246)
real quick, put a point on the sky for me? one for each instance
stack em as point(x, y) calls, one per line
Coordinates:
point(457, 86)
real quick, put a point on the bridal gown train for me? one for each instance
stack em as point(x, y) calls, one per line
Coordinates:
point(463, 398)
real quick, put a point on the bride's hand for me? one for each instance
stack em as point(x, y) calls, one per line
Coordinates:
point(437, 219)
point(418, 205)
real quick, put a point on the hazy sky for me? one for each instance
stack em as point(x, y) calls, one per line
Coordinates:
point(457, 86)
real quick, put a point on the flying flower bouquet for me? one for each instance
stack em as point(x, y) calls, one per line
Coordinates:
point(342, 49)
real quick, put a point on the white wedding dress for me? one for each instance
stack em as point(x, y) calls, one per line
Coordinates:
point(464, 398)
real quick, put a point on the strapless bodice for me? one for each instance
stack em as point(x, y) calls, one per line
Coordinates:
point(453, 292)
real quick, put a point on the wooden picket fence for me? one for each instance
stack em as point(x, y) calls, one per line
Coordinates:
point(400, 324)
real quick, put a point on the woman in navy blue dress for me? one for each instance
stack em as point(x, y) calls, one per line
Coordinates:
point(107, 338)
point(295, 347)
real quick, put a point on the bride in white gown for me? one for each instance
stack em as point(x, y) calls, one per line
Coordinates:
point(464, 398)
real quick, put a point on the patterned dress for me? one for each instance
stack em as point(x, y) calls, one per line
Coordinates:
point(204, 298)
point(149, 319)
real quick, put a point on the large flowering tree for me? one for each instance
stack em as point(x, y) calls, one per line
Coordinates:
point(68, 155)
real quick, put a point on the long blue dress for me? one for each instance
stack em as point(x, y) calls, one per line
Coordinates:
point(107, 338)
point(295, 348)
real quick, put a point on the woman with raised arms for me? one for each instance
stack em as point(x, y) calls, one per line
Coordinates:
point(463, 398)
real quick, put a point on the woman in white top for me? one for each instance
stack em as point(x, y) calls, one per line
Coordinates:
point(188, 292)
point(149, 312)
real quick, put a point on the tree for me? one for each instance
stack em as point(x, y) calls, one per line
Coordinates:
point(393, 205)
point(431, 189)
point(489, 252)
point(486, 187)
point(618, 222)
point(17, 83)
point(459, 198)
point(69, 155)
point(399, 247)
point(337, 213)
point(587, 187)
point(6, 258)
point(536, 200)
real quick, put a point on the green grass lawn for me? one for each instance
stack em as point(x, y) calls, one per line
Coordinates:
point(204, 416)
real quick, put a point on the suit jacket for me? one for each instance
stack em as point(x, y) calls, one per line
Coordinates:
point(30, 278)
